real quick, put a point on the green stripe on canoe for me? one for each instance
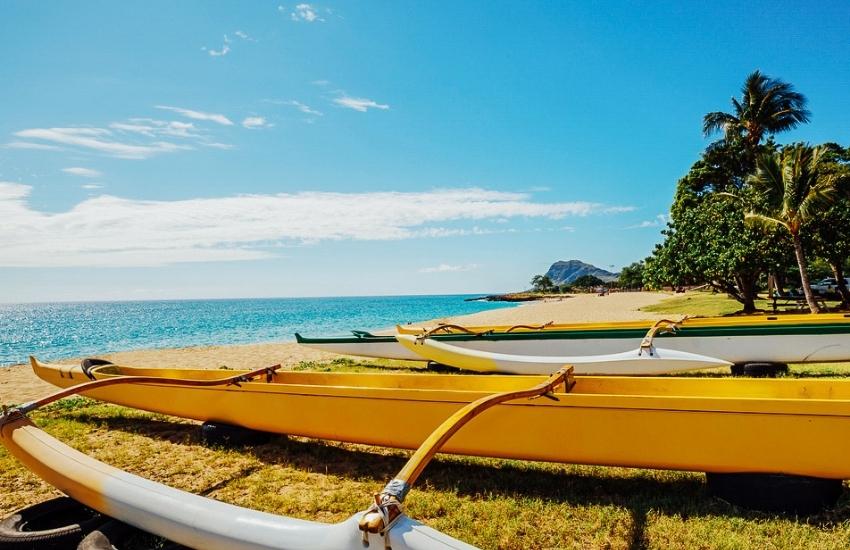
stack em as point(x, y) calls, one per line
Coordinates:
point(621, 333)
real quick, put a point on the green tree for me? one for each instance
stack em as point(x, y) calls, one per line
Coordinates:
point(767, 106)
point(706, 240)
point(792, 187)
point(588, 281)
point(830, 233)
point(631, 276)
point(542, 283)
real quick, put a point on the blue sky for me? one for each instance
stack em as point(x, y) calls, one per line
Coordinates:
point(230, 149)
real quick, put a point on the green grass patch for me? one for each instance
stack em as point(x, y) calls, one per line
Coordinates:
point(709, 304)
point(344, 364)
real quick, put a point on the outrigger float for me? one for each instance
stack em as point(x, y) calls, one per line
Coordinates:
point(738, 340)
point(646, 360)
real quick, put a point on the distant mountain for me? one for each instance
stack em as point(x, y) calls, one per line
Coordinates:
point(565, 272)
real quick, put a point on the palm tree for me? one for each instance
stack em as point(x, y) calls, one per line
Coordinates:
point(793, 187)
point(767, 106)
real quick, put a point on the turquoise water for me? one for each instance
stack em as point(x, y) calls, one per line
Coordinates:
point(58, 330)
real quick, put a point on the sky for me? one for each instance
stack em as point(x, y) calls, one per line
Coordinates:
point(158, 150)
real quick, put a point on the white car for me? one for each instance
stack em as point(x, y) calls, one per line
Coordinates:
point(828, 286)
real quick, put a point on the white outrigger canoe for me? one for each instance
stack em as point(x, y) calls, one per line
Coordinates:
point(738, 340)
point(647, 360)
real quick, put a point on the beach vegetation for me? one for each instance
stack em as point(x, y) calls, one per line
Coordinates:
point(713, 236)
point(588, 281)
point(792, 189)
point(542, 283)
point(631, 276)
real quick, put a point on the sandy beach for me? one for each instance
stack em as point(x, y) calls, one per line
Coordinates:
point(18, 384)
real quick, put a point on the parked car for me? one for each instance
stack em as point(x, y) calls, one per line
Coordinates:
point(828, 286)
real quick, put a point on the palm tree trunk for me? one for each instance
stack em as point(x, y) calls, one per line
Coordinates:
point(838, 273)
point(804, 273)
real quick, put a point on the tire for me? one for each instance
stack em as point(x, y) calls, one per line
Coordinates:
point(57, 523)
point(798, 495)
point(760, 370)
point(227, 435)
point(90, 362)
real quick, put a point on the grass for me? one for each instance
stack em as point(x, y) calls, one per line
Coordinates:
point(705, 304)
point(487, 502)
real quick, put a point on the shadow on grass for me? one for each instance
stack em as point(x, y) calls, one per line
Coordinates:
point(681, 495)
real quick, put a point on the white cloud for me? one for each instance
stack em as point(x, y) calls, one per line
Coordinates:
point(359, 103)
point(244, 36)
point(198, 115)
point(255, 123)
point(151, 127)
point(113, 231)
point(91, 186)
point(446, 268)
point(82, 172)
point(101, 140)
point(217, 145)
point(306, 109)
point(304, 12)
point(29, 145)
point(658, 221)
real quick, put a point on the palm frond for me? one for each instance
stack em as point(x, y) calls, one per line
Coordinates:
point(763, 221)
point(718, 121)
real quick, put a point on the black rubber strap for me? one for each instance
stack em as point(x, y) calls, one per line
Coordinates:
point(90, 362)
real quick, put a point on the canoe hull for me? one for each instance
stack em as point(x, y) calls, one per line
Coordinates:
point(799, 427)
point(638, 362)
point(774, 348)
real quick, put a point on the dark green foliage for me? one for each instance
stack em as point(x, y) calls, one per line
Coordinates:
point(588, 281)
point(631, 276)
point(542, 283)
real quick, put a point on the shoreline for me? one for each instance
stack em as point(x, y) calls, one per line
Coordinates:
point(18, 384)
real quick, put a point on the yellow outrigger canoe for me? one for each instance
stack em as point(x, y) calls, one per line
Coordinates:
point(720, 425)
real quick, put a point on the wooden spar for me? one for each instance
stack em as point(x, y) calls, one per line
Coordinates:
point(387, 507)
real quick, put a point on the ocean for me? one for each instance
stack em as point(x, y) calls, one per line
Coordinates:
point(53, 331)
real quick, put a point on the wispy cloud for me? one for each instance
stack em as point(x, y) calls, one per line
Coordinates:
point(361, 104)
point(447, 268)
point(91, 186)
point(100, 139)
point(108, 230)
point(30, 145)
point(134, 138)
point(306, 13)
point(255, 123)
point(197, 115)
point(306, 109)
point(244, 36)
point(82, 172)
point(151, 127)
point(658, 221)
